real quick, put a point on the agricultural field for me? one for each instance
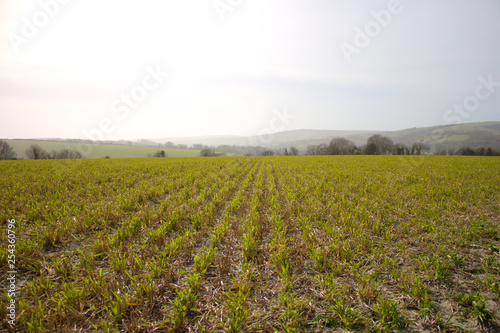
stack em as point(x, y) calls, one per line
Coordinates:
point(99, 150)
point(253, 244)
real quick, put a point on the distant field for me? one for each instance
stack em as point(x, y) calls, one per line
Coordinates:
point(100, 151)
point(453, 138)
point(253, 244)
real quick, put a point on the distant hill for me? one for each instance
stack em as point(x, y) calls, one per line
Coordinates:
point(486, 134)
point(474, 135)
point(278, 139)
point(449, 137)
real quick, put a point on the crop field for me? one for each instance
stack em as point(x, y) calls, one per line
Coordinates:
point(253, 244)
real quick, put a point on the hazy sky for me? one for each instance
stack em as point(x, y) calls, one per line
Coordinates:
point(89, 68)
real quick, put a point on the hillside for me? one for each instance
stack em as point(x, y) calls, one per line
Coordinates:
point(99, 150)
point(449, 137)
point(485, 134)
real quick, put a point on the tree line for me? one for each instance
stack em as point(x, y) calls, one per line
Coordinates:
point(35, 152)
point(381, 145)
point(375, 145)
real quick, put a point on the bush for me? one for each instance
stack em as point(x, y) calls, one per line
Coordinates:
point(35, 152)
point(160, 153)
point(210, 153)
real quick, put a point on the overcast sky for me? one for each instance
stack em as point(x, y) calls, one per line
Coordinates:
point(89, 68)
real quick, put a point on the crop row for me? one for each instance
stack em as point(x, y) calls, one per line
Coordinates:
point(285, 244)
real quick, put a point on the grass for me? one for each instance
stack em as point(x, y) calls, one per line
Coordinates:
point(273, 244)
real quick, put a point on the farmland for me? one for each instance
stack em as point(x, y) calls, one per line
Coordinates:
point(99, 150)
point(254, 244)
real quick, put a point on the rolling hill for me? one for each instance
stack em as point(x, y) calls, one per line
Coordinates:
point(443, 137)
point(474, 135)
point(99, 150)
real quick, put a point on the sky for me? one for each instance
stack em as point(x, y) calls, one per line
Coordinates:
point(130, 69)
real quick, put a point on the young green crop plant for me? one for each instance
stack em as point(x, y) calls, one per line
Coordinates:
point(476, 304)
point(389, 317)
point(347, 314)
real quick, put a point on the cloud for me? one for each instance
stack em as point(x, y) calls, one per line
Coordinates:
point(228, 75)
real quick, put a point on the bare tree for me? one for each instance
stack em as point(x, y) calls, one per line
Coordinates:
point(267, 152)
point(311, 149)
point(418, 148)
point(370, 149)
point(35, 152)
point(63, 154)
point(341, 146)
point(321, 149)
point(379, 144)
point(6, 151)
point(294, 151)
point(69, 154)
point(75, 154)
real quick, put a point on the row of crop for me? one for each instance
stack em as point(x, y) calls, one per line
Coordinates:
point(368, 240)
point(126, 259)
point(61, 217)
point(186, 297)
point(330, 260)
point(282, 227)
point(236, 302)
point(351, 245)
point(31, 248)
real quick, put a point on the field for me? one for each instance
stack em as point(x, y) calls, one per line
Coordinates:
point(100, 150)
point(254, 244)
